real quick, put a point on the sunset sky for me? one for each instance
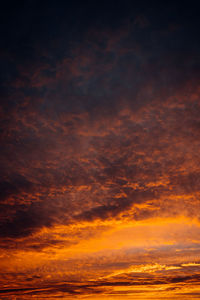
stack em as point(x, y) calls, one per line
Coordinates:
point(100, 150)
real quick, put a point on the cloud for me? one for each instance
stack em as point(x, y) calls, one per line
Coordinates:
point(99, 150)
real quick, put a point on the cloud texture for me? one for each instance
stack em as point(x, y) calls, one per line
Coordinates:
point(99, 151)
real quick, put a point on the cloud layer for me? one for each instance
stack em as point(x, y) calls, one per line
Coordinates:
point(99, 152)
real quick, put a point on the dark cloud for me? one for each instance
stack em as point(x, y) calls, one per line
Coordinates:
point(106, 168)
point(101, 287)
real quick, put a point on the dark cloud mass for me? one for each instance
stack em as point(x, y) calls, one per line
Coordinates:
point(99, 131)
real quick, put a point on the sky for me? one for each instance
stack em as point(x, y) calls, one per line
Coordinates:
point(99, 156)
